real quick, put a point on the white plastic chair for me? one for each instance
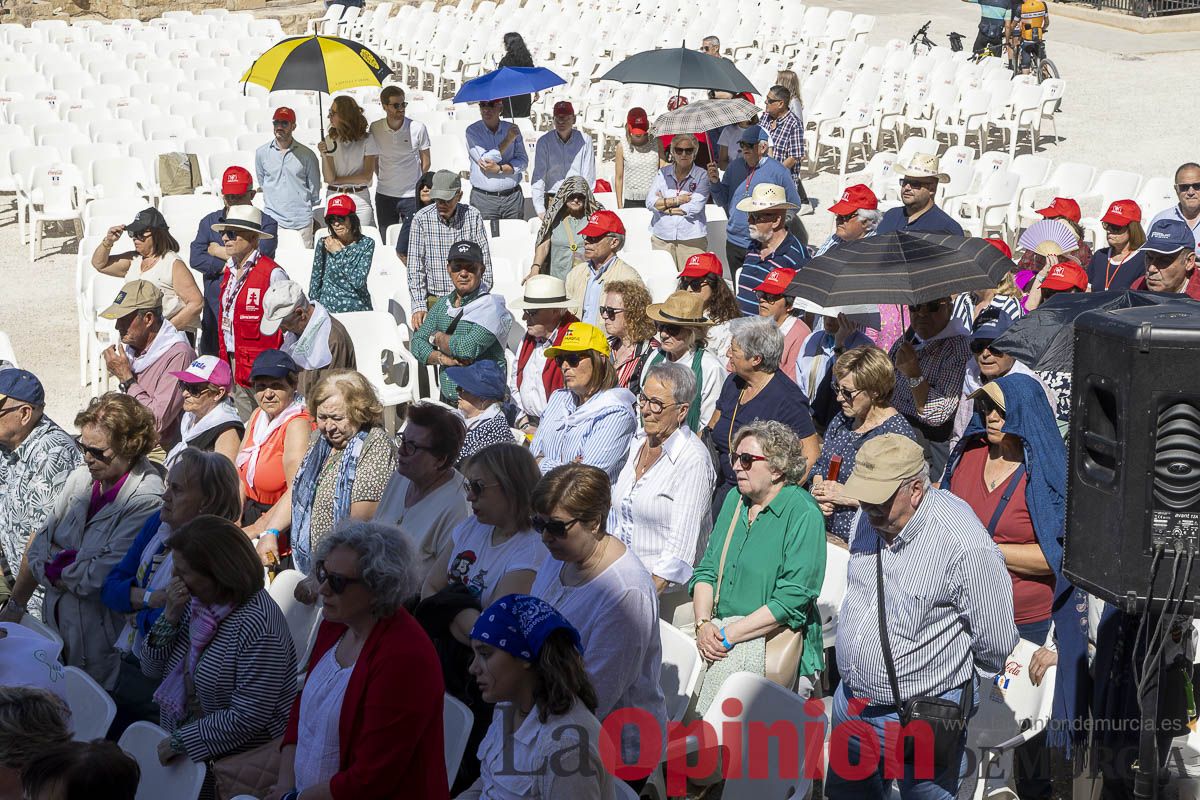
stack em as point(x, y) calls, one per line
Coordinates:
point(92, 710)
point(991, 211)
point(833, 589)
point(27, 620)
point(7, 353)
point(377, 342)
point(302, 620)
point(181, 778)
point(680, 669)
point(456, 730)
point(54, 197)
point(658, 272)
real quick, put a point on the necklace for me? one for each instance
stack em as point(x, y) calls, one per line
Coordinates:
point(585, 575)
point(1008, 469)
point(642, 468)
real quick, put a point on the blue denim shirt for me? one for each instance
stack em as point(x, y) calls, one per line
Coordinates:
point(290, 181)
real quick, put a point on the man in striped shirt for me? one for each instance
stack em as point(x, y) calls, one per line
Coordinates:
point(947, 602)
point(772, 245)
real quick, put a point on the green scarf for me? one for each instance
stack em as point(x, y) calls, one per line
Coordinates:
point(693, 417)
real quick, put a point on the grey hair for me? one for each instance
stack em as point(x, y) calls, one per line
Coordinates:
point(681, 379)
point(759, 336)
point(869, 217)
point(780, 445)
point(620, 237)
point(385, 561)
point(687, 137)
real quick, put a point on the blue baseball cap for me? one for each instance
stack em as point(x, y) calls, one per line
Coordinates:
point(482, 379)
point(754, 134)
point(1169, 236)
point(22, 385)
point(273, 364)
point(990, 324)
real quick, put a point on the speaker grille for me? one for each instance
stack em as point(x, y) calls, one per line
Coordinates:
point(1177, 457)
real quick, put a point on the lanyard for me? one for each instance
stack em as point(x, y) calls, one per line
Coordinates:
point(749, 178)
point(670, 173)
point(1110, 276)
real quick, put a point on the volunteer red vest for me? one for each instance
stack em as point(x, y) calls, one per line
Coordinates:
point(552, 377)
point(247, 310)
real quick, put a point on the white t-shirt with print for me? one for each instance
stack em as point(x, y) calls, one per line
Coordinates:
point(479, 565)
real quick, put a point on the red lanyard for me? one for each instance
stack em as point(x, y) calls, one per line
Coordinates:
point(1109, 276)
point(749, 178)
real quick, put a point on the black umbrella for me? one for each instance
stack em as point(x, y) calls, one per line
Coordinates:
point(680, 68)
point(1044, 339)
point(902, 268)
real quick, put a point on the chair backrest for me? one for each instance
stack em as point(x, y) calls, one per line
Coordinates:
point(658, 271)
point(302, 619)
point(680, 669)
point(180, 778)
point(457, 720)
point(374, 334)
point(1072, 178)
point(92, 710)
point(28, 620)
point(833, 589)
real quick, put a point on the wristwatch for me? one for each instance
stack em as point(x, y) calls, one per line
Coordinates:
point(915, 382)
point(125, 385)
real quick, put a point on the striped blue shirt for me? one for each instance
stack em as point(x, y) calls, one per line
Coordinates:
point(948, 603)
point(789, 254)
point(597, 432)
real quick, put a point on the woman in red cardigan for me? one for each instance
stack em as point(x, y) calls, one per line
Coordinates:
point(368, 723)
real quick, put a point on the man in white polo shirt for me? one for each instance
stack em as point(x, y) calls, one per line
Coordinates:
point(403, 157)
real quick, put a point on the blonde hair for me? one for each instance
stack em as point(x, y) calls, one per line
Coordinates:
point(362, 404)
point(352, 124)
point(872, 371)
point(1008, 287)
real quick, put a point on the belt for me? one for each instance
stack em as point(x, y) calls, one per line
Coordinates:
point(348, 188)
point(505, 193)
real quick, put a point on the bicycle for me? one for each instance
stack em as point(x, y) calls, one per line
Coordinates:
point(922, 44)
point(1039, 65)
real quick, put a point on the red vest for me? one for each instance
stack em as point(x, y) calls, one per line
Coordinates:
point(552, 377)
point(247, 314)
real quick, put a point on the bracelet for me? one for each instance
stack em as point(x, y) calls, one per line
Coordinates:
point(268, 532)
point(725, 641)
point(176, 742)
point(700, 623)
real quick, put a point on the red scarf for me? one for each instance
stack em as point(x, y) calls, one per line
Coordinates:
point(552, 377)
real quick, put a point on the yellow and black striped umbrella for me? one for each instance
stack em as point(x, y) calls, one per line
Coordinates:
point(317, 63)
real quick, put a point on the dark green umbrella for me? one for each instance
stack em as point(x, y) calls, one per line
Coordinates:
point(681, 68)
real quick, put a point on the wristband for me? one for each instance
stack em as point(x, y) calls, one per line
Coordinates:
point(725, 641)
point(268, 532)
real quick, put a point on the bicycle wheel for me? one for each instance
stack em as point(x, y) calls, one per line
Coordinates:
point(1047, 70)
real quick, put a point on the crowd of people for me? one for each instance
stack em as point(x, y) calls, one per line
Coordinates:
point(519, 540)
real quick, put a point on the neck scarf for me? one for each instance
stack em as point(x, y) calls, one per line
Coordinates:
point(485, 310)
point(191, 427)
point(172, 695)
point(483, 416)
point(310, 350)
point(153, 572)
point(304, 491)
point(558, 206)
point(164, 340)
point(261, 429)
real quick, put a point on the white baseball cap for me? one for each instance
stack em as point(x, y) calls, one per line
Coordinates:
point(280, 300)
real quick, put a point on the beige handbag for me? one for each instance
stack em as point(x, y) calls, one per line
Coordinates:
point(784, 647)
point(253, 772)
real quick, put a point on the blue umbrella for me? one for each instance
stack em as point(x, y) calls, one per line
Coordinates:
point(507, 82)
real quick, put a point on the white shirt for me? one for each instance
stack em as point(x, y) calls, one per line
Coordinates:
point(531, 393)
point(541, 761)
point(399, 156)
point(349, 156)
point(555, 160)
point(318, 751)
point(616, 614)
point(480, 565)
point(663, 517)
point(719, 336)
point(672, 227)
point(234, 285)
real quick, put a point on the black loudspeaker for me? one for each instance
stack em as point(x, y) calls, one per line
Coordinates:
point(1135, 453)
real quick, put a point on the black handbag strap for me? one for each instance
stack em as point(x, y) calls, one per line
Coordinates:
point(1004, 498)
point(883, 633)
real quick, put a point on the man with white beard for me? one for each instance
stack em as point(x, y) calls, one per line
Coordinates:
point(772, 246)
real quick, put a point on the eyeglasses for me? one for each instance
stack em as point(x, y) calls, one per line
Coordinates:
point(919, 183)
point(396, 106)
point(683, 151)
point(674, 331)
point(984, 406)
point(979, 345)
point(747, 146)
point(655, 405)
point(555, 527)
point(194, 389)
point(570, 359)
point(1111, 228)
point(229, 233)
point(408, 447)
point(608, 312)
point(1187, 187)
point(96, 453)
point(845, 394)
point(744, 460)
point(771, 100)
point(768, 297)
point(337, 219)
point(692, 284)
point(10, 409)
point(337, 583)
point(932, 307)
point(476, 487)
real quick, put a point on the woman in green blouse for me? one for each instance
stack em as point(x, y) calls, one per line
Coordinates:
point(770, 581)
point(342, 260)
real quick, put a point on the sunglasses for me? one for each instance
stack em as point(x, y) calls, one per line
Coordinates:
point(96, 453)
point(570, 359)
point(692, 284)
point(280, 123)
point(764, 216)
point(337, 583)
point(683, 151)
point(984, 406)
point(744, 460)
point(490, 105)
point(1111, 228)
point(768, 297)
point(771, 100)
point(841, 219)
point(918, 184)
point(655, 405)
point(843, 393)
point(476, 487)
point(229, 234)
point(194, 389)
point(337, 219)
point(408, 447)
point(932, 307)
point(10, 409)
point(1187, 187)
point(674, 331)
point(608, 312)
point(979, 345)
point(595, 239)
point(745, 146)
point(396, 106)
point(143, 236)
point(555, 527)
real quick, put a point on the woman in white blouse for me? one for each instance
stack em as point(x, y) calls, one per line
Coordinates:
point(677, 197)
point(601, 587)
point(349, 164)
point(544, 740)
point(663, 497)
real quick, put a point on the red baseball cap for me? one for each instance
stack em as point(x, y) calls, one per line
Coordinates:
point(700, 265)
point(1061, 207)
point(1122, 212)
point(777, 281)
point(564, 107)
point(601, 186)
point(603, 223)
point(1065, 275)
point(236, 180)
point(636, 121)
point(676, 102)
point(747, 96)
point(855, 197)
point(1001, 245)
point(340, 205)
point(283, 112)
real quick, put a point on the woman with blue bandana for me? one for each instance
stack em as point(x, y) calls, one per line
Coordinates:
point(544, 741)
